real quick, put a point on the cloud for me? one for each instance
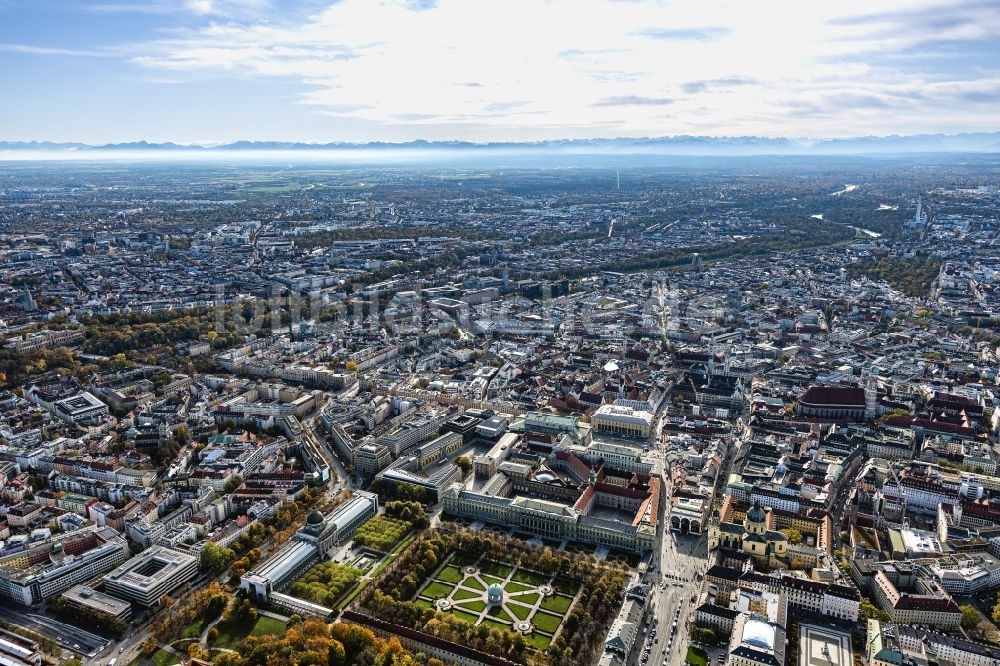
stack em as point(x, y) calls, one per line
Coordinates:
point(421, 5)
point(413, 116)
point(458, 69)
point(504, 106)
point(634, 100)
point(341, 109)
point(715, 85)
point(132, 8)
point(685, 34)
point(199, 6)
point(956, 20)
point(31, 49)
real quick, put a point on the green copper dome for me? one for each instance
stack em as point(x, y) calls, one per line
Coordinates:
point(756, 514)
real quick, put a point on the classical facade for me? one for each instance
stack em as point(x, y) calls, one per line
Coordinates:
point(563, 499)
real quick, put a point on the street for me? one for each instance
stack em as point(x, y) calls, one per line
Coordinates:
point(69, 636)
point(673, 580)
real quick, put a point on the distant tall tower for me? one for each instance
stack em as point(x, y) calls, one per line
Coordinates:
point(618, 178)
point(26, 301)
point(870, 385)
point(920, 217)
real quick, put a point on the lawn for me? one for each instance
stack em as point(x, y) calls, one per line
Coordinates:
point(437, 590)
point(496, 569)
point(498, 625)
point(425, 603)
point(164, 658)
point(696, 657)
point(559, 603)
point(522, 612)
point(517, 587)
point(465, 594)
point(194, 629)
point(529, 577)
point(232, 633)
point(538, 641)
point(529, 598)
point(545, 622)
point(491, 579)
point(381, 533)
point(499, 613)
point(476, 605)
point(474, 584)
point(468, 617)
point(450, 575)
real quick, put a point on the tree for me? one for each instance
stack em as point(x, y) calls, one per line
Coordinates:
point(703, 634)
point(464, 464)
point(215, 557)
point(213, 635)
point(970, 616)
point(351, 366)
point(232, 483)
point(794, 536)
point(870, 611)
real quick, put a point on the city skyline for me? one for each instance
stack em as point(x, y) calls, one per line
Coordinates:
point(211, 72)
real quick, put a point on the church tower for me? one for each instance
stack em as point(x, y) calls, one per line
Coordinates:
point(713, 530)
point(870, 384)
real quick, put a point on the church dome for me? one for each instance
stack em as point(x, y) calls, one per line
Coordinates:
point(756, 514)
point(314, 518)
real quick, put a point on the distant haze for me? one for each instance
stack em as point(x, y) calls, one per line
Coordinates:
point(630, 150)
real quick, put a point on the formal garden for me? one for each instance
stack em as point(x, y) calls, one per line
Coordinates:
point(483, 591)
point(500, 595)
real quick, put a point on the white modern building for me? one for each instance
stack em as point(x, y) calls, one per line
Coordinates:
point(150, 575)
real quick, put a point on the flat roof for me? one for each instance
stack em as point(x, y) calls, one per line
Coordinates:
point(150, 567)
point(88, 596)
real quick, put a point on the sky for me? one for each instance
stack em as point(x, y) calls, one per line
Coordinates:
point(214, 71)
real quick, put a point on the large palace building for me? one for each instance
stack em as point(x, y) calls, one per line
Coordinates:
point(558, 496)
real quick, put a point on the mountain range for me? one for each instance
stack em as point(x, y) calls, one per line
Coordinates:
point(980, 142)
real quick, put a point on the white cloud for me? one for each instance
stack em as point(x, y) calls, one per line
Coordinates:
point(569, 68)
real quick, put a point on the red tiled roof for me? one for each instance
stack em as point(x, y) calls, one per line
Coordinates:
point(834, 396)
